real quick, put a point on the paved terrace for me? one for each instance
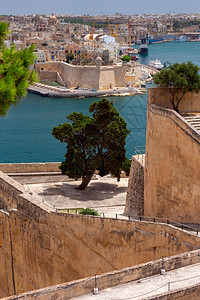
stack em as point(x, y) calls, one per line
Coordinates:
point(149, 287)
point(104, 194)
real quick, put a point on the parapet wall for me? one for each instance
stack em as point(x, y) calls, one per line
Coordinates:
point(161, 97)
point(91, 77)
point(172, 160)
point(30, 167)
point(40, 247)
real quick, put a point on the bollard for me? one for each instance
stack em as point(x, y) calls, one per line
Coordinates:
point(168, 286)
point(167, 221)
point(116, 216)
point(95, 291)
point(154, 220)
point(163, 271)
point(103, 215)
point(129, 217)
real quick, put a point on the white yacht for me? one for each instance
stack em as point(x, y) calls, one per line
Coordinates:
point(156, 64)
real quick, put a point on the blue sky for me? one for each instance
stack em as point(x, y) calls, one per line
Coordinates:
point(93, 7)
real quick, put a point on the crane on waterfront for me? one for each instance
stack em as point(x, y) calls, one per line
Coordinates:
point(129, 34)
point(112, 33)
point(91, 37)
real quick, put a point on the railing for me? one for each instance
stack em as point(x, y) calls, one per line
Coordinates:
point(136, 218)
point(166, 287)
point(139, 152)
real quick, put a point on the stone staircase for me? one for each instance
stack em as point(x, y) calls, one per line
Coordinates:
point(193, 120)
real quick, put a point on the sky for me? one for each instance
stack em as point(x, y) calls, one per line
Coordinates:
point(98, 7)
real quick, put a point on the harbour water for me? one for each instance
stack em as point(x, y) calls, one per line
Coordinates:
point(26, 132)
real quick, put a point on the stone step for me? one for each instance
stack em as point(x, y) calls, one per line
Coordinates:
point(193, 120)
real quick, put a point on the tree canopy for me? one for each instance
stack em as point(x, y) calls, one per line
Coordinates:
point(15, 72)
point(126, 58)
point(69, 57)
point(94, 143)
point(179, 79)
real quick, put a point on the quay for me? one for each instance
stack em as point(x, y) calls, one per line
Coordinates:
point(61, 92)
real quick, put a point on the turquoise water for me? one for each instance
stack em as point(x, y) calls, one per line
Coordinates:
point(26, 131)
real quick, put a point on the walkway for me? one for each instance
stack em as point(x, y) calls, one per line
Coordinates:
point(150, 286)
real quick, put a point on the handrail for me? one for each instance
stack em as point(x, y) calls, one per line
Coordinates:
point(138, 218)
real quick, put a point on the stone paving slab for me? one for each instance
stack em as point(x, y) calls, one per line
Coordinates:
point(102, 193)
point(150, 286)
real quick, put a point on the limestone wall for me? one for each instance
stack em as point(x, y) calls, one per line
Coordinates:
point(43, 248)
point(30, 167)
point(48, 76)
point(83, 286)
point(172, 165)
point(161, 97)
point(59, 248)
point(135, 193)
point(90, 77)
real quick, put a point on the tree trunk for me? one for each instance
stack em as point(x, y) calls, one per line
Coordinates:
point(85, 181)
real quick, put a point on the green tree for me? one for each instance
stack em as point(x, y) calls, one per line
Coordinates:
point(179, 79)
point(126, 58)
point(93, 143)
point(69, 57)
point(15, 72)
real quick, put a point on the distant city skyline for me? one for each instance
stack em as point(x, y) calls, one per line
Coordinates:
point(128, 7)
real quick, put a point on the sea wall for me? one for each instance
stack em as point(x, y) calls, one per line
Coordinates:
point(91, 77)
point(172, 160)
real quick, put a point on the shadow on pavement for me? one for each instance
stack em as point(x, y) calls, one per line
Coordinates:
point(94, 191)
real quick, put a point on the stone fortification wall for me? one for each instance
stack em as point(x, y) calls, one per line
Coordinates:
point(172, 160)
point(84, 286)
point(50, 76)
point(135, 193)
point(91, 77)
point(161, 97)
point(107, 78)
point(40, 247)
point(30, 167)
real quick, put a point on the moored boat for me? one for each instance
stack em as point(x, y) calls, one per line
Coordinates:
point(143, 49)
point(156, 64)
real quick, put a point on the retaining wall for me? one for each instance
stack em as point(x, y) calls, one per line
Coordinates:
point(135, 193)
point(84, 286)
point(40, 248)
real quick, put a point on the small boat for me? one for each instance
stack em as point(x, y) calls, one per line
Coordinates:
point(156, 64)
